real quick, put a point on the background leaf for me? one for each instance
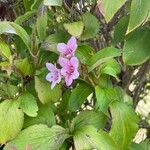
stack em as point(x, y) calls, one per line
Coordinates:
point(125, 121)
point(4, 50)
point(41, 138)
point(41, 25)
point(45, 93)
point(139, 13)
point(137, 46)
point(13, 28)
point(87, 138)
point(79, 95)
point(45, 116)
point(75, 28)
point(53, 2)
point(103, 56)
point(11, 118)
point(109, 9)
point(28, 104)
point(96, 119)
point(91, 26)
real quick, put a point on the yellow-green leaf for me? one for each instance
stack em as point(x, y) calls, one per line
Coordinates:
point(11, 120)
point(75, 28)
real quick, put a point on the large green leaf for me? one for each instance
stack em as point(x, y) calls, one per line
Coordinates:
point(137, 47)
point(120, 29)
point(53, 2)
point(139, 13)
point(39, 137)
point(44, 91)
point(41, 25)
point(11, 120)
point(10, 27)
point(124, 124)
point(104, 96)
point(4, 50)
point(75, 28)
point(108, 8)
point(87, 138)
point(25, 17)
point(84, 53)
point(45, 116)
point(96, 119)
point(103, 56)
point(28, 104)
point(79, 95)
point(111, 68)
point(91, 26)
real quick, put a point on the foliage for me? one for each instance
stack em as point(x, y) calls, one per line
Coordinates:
point(66, 71)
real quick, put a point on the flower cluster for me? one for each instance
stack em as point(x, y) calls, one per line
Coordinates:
point(68, 62)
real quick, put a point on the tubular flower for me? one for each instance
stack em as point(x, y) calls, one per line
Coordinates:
point(69, 69)
point(54, 76)
point(68, 50)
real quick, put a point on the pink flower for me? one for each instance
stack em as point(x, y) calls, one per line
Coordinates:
point(69, 69)
point(54, 76)
point(68, 50)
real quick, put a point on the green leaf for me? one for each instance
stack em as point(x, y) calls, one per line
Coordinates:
point(79, 95)
point(27, 4)
point(91, 26)
point(87, 138)
point(137, 46)
point(8, 90)
point(53, 2)
point(111, 68)
point(122, 96)
point(144, 145)
point(39, 137)
point(13, 28)
point(4, 50)
point(120, 29)
point(36, 4)
point(25, 17)
point(11, 118)
point(28, 104)
point(96, 119)
point(139, 13)
point(109, 9)
point(45, 116)
point(84, 53)
point(124, 120)
point(24, 66)
point(75, 28)
point(103, 56)
point(45, 93)
point(41, 25)
point(104, 96)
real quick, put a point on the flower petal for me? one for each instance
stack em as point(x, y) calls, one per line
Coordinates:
point(50, 67)
point(62, 47)
point(53, 85)
point(68, 80)
point(49, 77)
point(72, 44)
point(75, 74)
point(59, 78)
point(63, 72)
point(74, 62)
point(63, 62)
